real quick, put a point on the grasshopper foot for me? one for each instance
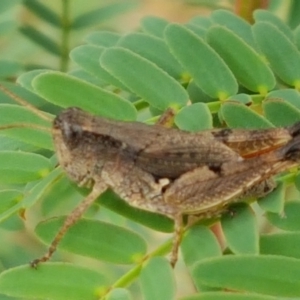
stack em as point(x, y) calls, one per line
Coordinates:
point(36, 262)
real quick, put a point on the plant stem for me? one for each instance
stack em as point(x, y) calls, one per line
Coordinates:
point(65, 37)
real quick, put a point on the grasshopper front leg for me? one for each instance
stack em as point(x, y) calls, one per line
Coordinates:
point(71, 219)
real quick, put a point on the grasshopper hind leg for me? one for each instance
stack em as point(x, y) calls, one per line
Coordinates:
point(260, 190)
point(178, 231)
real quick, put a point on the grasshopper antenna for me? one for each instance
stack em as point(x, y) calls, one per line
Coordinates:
point(20, 125)
point(30, 107)
point(24, 103)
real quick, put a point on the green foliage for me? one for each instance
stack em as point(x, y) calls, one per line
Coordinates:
point(96, 239)
point(76, 282)
point(236, 74)
point(248, 273)
point(100, 101)
point(163, 273)
point(56, 29)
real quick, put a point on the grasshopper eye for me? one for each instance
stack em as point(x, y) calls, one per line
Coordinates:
point(71, 132)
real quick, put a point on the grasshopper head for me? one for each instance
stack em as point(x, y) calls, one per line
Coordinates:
point(71, 146)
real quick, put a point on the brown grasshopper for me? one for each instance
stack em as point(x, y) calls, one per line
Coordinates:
point(167, 170)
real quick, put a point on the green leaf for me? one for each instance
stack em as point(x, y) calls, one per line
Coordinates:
point(228, 296)
point(237, 115)
point(52, 281)
point(269, 275)
point(70, 91)
point(41, 188)
point(201, 21)
point(289, 95)
point(280, 112)
point(199, 31)
point(14, 114)
point(274, 201)
point(262, 15)
point(7, 4)
point(102, 14)
point(157, 271)
point(25, 80)
point(8, 199)
point(282, 54)
point(6, 27)
point(88, 57)
point(247, 66)
point(144, 78)
point(199, 243)
point(12, 210)
point(243, 98)
point(21, 167)
point(216, 81)
point(44, 12)
point(194, 117)
point(9, 68)
point(196, 94)
point(281, 244)
point(58, 196)
point(297, 36)
point(85, 76)
point(41, 39)
point(297, 182)
point(103, 38)
point(96, 239)
point(288, 219)
point(154, 49)
point(31, 197)
point(241, 230)
point(12, 144)
point(234, 23)
point(147, 218)
point(154, 26)
point(119, 294)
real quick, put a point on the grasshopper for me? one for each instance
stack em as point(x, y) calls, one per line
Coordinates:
point(167, 170)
